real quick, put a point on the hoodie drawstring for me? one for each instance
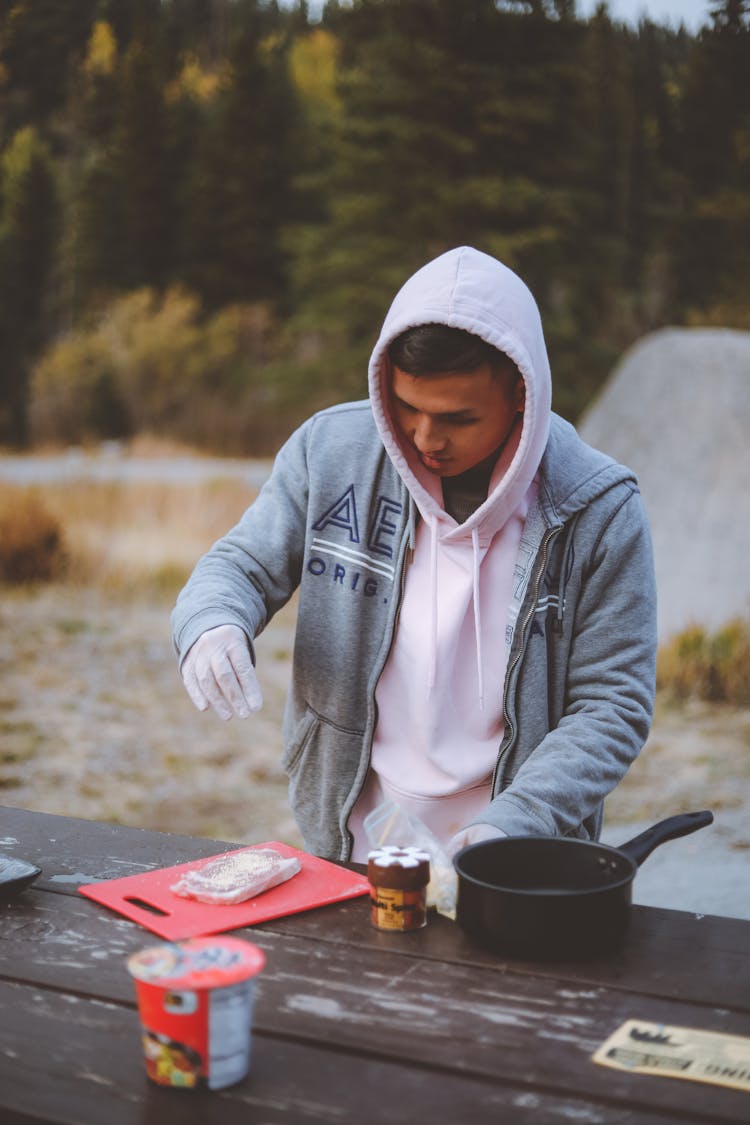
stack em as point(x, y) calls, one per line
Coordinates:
point(411, 523)
point(477, 615)
point(432, 673)
point(476, 604)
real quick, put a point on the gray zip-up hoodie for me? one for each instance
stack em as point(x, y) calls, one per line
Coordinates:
point(333, 522)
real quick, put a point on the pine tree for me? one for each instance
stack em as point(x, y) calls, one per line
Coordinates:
point(239, 190)
point(458, 124)
point(140, 166)
point(714, 246)
point(37, 41)
point(93, 241)
point(730, 16)
point(28, 209)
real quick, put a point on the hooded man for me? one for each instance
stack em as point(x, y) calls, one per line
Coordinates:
point(476, 629)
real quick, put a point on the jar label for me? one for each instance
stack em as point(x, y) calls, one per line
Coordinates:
point(393, 909)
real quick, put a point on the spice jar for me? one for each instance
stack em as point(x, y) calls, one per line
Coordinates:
point(398, 887)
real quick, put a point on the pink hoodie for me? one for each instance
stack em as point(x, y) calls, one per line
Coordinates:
point(440, 697)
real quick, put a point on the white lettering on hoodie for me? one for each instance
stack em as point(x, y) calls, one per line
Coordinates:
point(440, 696)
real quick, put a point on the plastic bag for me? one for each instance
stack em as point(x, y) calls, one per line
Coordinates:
point(236, 877)
point(389, 824)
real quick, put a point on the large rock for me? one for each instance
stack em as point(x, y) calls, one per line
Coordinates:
point(677, 411)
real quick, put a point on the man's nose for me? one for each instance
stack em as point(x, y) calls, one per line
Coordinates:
point(428, 436)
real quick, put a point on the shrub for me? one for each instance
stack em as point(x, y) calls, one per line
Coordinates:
point(153, 362)
point(711, 666)
point(31, 540)
point(76, 395)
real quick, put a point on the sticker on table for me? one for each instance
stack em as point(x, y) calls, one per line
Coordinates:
point(678, 1052)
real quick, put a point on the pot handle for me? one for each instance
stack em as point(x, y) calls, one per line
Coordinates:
point(640, 847)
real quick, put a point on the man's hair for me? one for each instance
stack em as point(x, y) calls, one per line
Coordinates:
point(436, 348)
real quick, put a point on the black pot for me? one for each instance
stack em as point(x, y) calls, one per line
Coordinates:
point(542, 897)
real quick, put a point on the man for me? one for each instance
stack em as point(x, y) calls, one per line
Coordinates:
point(476, 627)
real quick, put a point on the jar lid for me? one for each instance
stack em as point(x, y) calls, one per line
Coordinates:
point(398, 867)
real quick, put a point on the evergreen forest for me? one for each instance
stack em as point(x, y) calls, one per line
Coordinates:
point(206, 206)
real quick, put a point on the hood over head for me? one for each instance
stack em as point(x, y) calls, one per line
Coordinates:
point(465, 288)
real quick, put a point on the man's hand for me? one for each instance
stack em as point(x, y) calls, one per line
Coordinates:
point(474, 834)
point(218, 672)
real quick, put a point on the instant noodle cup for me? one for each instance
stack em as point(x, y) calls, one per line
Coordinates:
point(195, 1002)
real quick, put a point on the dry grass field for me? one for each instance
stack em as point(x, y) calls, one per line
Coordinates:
point(94, 721)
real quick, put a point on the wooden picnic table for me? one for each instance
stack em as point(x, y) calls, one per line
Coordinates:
point(351, 1024)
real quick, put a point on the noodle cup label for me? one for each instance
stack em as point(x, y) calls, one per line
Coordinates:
point(195, 1002)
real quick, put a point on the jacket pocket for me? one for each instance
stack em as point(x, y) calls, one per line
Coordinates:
point(322, 763)
point(294, 750)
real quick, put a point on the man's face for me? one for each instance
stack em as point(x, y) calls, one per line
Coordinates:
point(455, 419)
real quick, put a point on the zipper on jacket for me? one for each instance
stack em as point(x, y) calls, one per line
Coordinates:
point(510, 733)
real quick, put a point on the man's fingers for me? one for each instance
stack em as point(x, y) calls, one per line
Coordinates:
point(239, 655)
point(203, 688)
point(218, 672)
point(221, 686)
point(193, 688)
point(213, 693)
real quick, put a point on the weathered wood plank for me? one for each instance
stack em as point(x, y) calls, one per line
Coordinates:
point(42, 932)
point(666, 953)
point(79, 1062)
point(72, 851)
point(488, 1024)
point(505, 1025)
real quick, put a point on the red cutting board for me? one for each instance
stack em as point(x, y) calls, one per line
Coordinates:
point(173, 917)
